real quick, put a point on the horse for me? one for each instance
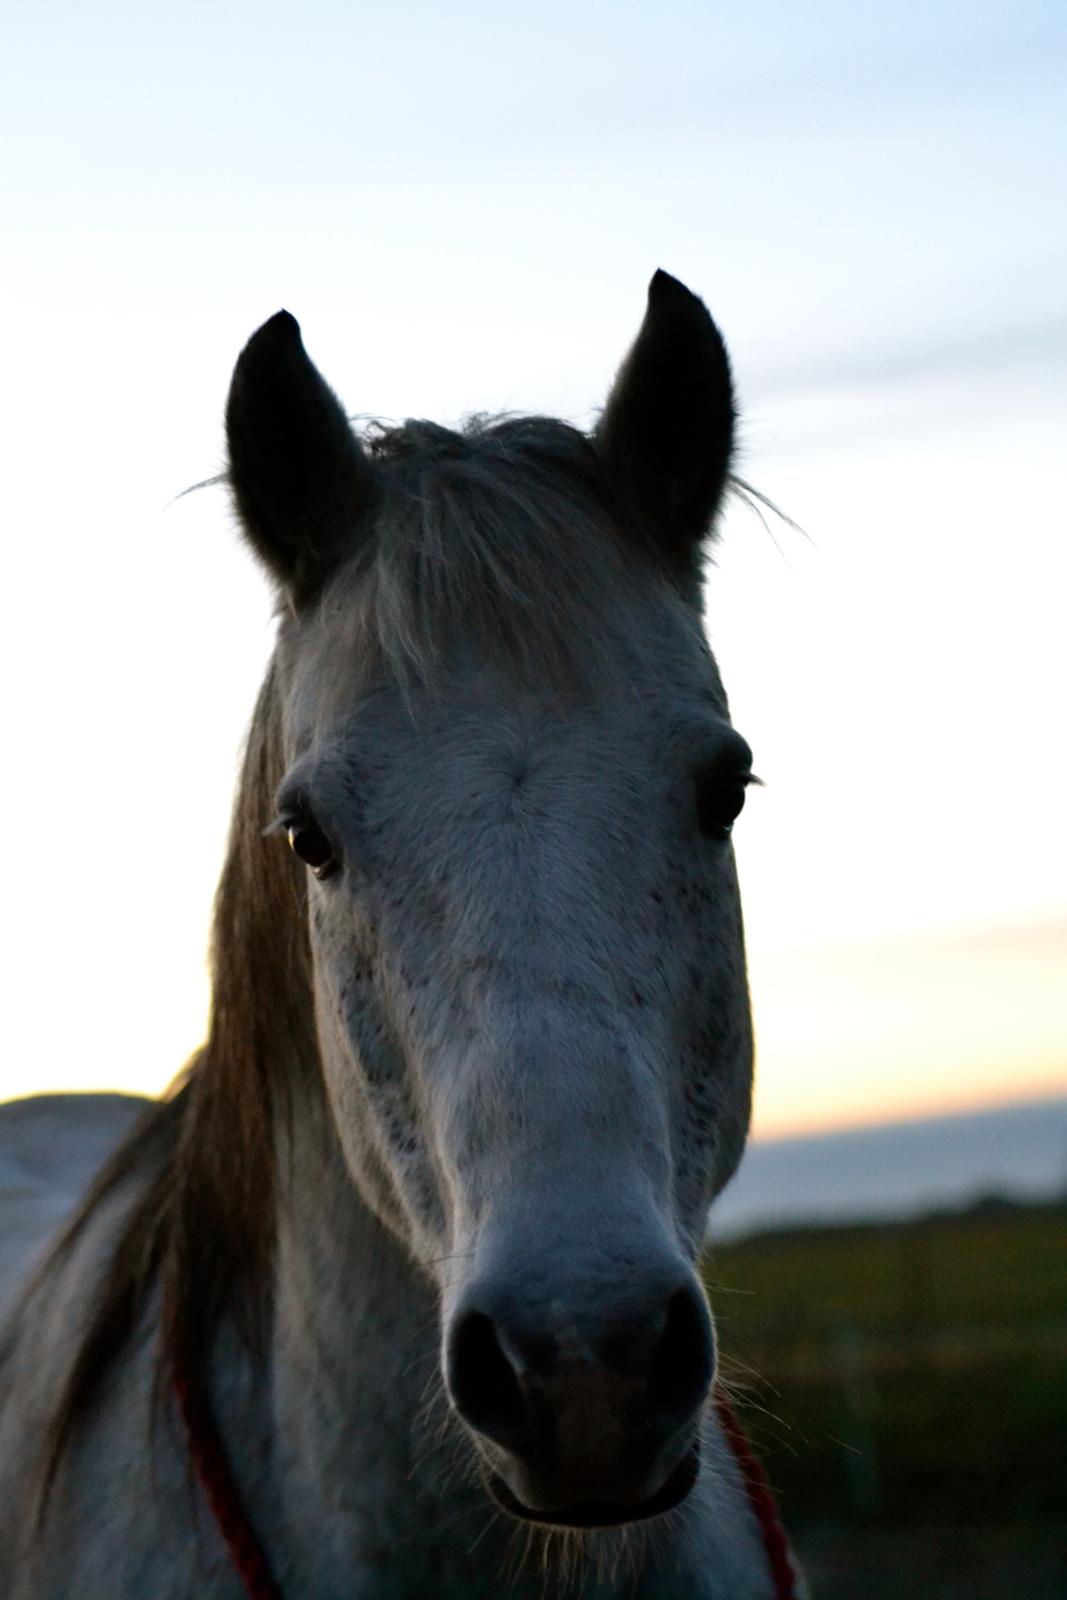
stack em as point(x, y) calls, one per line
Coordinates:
point(396, 1294)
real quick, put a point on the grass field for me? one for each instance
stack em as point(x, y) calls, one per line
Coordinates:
point(906, 1387)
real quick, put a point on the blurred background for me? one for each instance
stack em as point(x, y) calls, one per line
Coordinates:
point(463, 205)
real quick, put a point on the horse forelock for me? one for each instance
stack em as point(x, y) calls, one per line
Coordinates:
point(503, 535)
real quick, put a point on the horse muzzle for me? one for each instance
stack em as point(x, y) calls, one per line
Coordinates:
point(585, 1407)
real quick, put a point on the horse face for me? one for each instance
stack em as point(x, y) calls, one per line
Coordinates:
point(533, 1024)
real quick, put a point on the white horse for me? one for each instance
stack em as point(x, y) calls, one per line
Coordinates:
point(395, 1295)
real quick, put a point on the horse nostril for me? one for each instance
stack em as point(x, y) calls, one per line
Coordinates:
point(482, 1382)
point(682, 1363)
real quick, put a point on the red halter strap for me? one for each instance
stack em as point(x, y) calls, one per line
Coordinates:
point(212, 1467)
point(208, 1455)
point(761, 1499)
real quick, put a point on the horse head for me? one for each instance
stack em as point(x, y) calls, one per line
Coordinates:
point(509, 782)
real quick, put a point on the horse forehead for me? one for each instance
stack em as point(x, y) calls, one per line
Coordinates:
point(500, 810)
point(502, 747)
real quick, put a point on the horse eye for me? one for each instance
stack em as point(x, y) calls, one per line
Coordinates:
point(720, 797)
point(313, 847)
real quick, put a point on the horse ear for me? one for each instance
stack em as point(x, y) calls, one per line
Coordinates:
point(666, 434)
point(301, 480)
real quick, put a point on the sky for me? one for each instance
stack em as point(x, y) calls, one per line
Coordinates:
point(463, 206)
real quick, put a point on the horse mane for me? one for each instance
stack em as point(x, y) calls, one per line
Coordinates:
point(504, 532)
point(199, 1232)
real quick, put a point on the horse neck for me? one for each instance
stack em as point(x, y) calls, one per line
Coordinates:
point(353, 1344)
point(360, 1492)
